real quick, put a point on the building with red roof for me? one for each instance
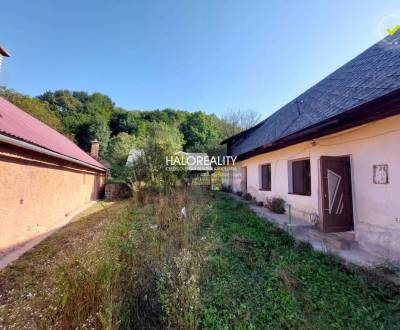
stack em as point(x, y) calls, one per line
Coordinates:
point(43, 177)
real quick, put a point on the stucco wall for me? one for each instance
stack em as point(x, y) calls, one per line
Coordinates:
point(376, 207)
point(37, 192)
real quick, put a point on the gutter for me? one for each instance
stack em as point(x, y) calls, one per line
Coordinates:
point(44, 151)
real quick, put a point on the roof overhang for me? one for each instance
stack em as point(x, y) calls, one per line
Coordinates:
point(233, 137)
point(380, 108)
point(22, 144)
point(4, 53)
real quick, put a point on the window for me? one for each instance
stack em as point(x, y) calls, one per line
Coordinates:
point(300, 177)
point(266, 177)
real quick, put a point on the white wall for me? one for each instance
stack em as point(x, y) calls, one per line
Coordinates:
point(376, 207)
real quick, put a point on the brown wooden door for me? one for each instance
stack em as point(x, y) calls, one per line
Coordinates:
point(336, 194)
point(244, 179)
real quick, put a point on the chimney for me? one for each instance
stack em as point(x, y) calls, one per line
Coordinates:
point(3, 53)
point(94, 149)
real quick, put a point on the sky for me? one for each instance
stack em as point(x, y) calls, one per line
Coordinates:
point(209, 55)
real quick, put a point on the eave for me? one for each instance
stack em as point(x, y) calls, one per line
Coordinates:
point(32, 147)
point(4, 53)
point(380, 108)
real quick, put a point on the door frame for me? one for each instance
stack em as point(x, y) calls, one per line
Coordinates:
point(244, 179)
point(350, 183)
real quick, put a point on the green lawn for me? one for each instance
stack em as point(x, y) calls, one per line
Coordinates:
point(259, 279)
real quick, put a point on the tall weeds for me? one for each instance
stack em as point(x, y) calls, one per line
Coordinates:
point(143, 272)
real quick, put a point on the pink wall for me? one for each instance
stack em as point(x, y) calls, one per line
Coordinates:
point(37, 192)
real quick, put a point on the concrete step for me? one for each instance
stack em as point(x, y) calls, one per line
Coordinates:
point(333, 240)
point(348, 235)
point(298, 229)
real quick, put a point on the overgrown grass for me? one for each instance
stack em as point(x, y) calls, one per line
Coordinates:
point(143, 272)
point(29, 288)
point(131, 266)
point(260, 279)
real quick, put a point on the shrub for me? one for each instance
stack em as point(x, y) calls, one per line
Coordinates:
point(248, 197)
point(148, 170)
point(276, 205)
point(260, 203)
point(226, 188)
point(239, 193)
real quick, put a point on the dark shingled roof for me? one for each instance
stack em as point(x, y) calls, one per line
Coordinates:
point(370, 75)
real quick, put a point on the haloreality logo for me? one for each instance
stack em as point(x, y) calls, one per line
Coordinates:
point(197, 161)
point(394, 30)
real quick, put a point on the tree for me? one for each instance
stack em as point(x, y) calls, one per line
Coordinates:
point(64, 101)
point(238, 120)
point(36, 108)
point(149, 170)
point(92, 128)
point(119, 148)
point(123, 121)
point(200, 133)
point(85, 116)
point(99, 105)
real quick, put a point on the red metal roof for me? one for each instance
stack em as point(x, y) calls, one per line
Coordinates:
point(16, 123)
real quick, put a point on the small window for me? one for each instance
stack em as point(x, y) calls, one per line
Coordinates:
point(300, 177)
point(266, 177)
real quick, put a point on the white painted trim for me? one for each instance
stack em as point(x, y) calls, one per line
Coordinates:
point(25, 145)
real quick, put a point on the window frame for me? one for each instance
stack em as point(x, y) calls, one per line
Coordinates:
point(269, 187)
point(307, 188)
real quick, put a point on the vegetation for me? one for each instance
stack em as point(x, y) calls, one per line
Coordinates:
point(240, 120)
point(83, 117)
point(276, 204)
point(35, 107)
point(259, 278)
point(30, 296)
point(248, 197)
point(148, 171)
point(132, 267)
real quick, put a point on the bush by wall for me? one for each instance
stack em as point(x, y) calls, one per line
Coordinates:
point(248, 197)
point(276, 204)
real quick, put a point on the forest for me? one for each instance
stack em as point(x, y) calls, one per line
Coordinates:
point(83, 117)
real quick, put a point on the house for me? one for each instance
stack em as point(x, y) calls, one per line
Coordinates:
point(43, 177)
point(333, 152)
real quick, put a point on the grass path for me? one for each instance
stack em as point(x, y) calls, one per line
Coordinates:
point(259, 279)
